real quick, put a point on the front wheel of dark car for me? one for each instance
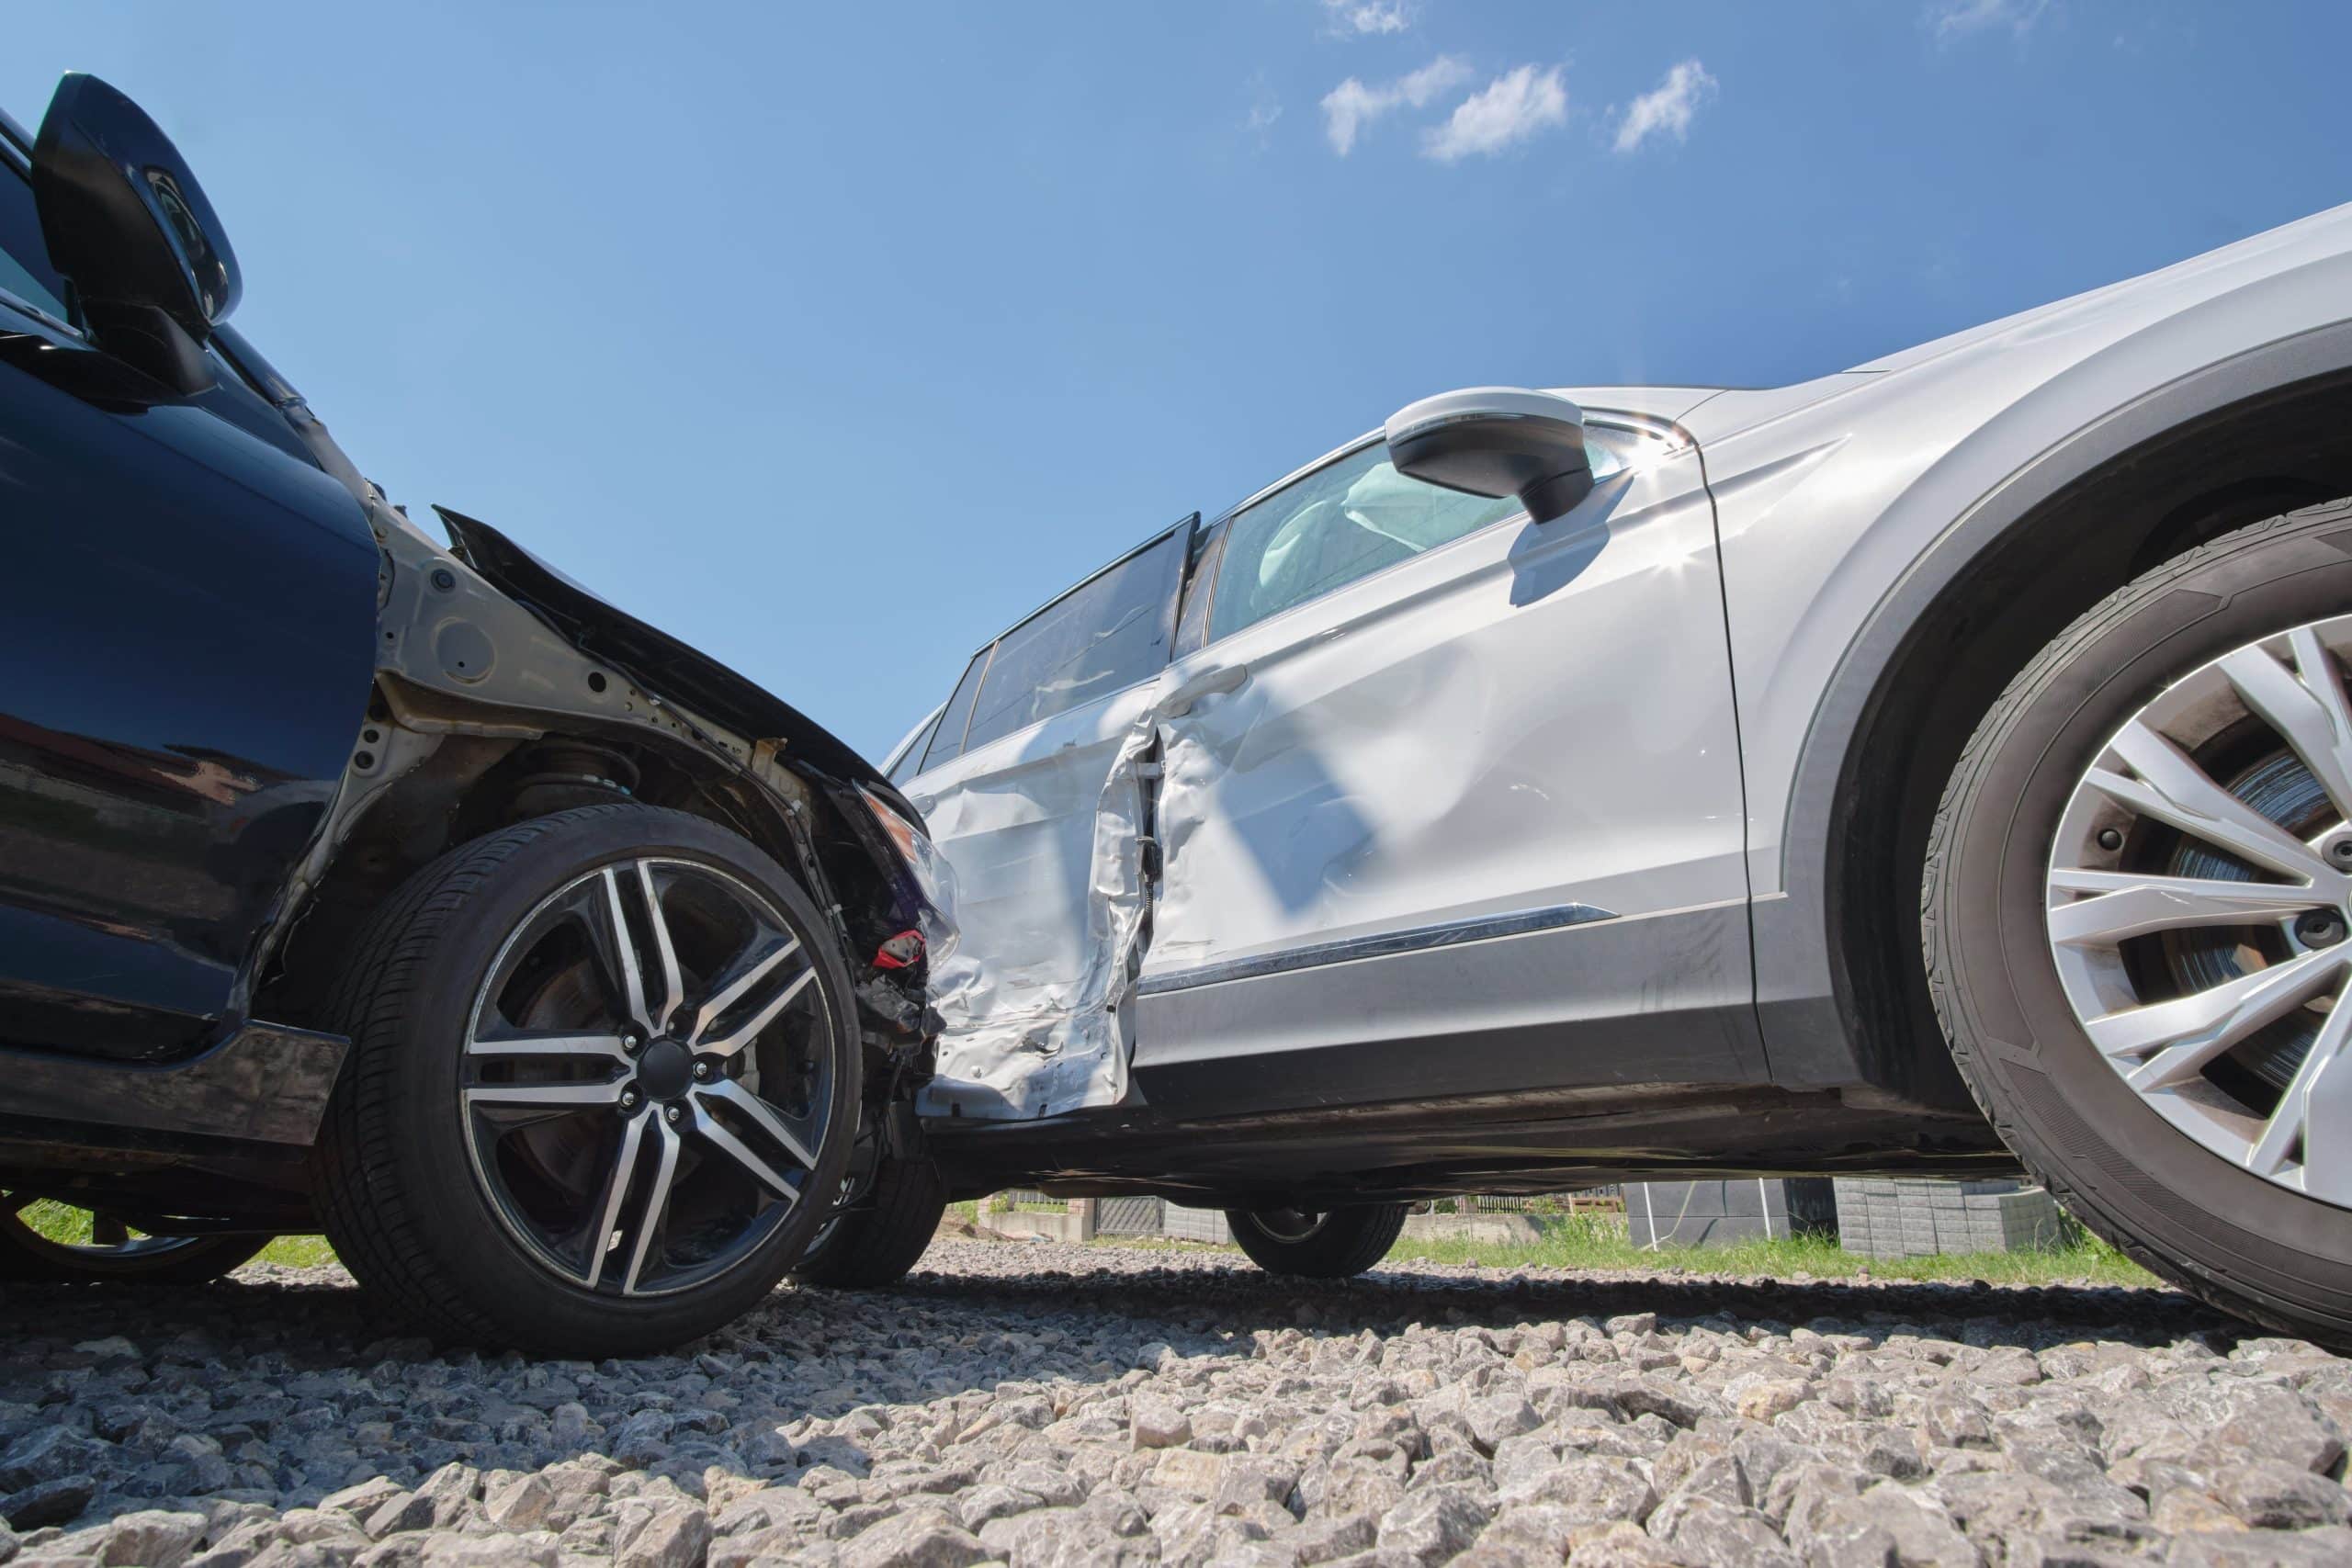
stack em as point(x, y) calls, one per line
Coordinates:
point(1318, 1244)
point(877, 1240)
point(2136, 906)
point(602, 1063)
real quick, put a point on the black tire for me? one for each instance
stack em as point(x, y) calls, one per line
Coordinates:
point(27, 1257)
point(1331, 1244)
point(875, 1246)
point(2243, 1242)
point(398, 1186)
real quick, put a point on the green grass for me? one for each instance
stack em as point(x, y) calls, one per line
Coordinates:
point(61, 1223)
point(1599, 1241)
point(1595, 1241)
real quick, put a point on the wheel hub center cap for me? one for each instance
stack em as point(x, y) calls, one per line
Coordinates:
point(666, 1069)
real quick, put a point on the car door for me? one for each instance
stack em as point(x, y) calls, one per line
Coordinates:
point(1033, 784)
point(1451, 801)
point(186, 642)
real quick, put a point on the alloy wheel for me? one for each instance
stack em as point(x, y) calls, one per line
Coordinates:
point(2199, 899)
point(648, 1076)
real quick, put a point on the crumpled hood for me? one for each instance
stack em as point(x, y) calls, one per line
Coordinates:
point(660, 663)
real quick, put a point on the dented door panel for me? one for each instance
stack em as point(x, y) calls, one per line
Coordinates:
point(1043, 828)
point(1532, 720)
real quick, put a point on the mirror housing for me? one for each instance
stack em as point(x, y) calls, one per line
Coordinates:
point(1496, 441)
point(129, 226)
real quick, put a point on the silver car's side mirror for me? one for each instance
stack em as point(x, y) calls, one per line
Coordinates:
point(1496, 441)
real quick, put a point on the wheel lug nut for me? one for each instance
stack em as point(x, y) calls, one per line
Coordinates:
point(2320, 927)
point(2109, 838)
point(674, 1113)
point(629, 1042)
point(702, 1069)
point(628, 1099)
point(2340, 854)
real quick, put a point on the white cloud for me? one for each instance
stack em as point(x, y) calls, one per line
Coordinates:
point(1369, 16)
point(1265, 105)
point(1348, 108)
point(1955, 19)
point(1665, 111)
point(1510, 109)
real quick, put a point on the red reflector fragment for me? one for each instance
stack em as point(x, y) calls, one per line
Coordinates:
point(901, 951)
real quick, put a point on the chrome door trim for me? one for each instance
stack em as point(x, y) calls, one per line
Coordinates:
point(1452, 933)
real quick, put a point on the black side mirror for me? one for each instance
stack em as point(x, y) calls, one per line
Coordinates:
point(129, 226)
point(1496, 441)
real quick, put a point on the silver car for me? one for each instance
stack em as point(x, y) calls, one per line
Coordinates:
point(1940, 766)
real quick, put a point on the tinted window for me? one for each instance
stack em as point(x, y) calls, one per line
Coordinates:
point(25, 270)
point(947, 741)
point(1104, 634)
point(1348, 519)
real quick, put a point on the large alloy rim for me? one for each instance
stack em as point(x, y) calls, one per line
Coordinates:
point(2198, 903)
point(648, 1077)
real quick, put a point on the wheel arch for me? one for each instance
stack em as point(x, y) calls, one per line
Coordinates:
point(1841, 988)
point(450, 788)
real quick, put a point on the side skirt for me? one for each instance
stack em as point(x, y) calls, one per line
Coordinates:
point(1571, 998)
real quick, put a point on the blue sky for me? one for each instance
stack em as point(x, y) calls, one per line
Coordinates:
point(832, 339)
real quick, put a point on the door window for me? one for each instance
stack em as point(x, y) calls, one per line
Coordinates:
point(1350, 518)
point(1103, 636)
point(947, 739)
point(25, 270)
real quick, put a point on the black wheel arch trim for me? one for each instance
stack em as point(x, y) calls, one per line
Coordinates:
point(1805, 1004)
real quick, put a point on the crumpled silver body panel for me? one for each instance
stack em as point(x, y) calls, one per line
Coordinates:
point(1636, 709)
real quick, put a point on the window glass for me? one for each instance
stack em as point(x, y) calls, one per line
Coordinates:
point(947, 741)
point(1192, 625)
point(25, 270)
point(1348, 519)
point(1103, 636)
point(911, 755)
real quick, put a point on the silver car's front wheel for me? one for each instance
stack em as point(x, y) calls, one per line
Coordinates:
point(2199, 901)
point(2137, 917)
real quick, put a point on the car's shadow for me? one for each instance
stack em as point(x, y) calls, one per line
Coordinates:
point(1390, 1299)
point(329, 1317)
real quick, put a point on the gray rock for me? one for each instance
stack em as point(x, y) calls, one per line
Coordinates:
point(363, 1499)
point(1435, 1525)
point(533, 1548)
point(48, 1453)
point(2272, 1495)
point(674, 1533)
point(152, 1537)
point(1708, 1534)
point(1158, 1423)
point(1889, 1524)
point(56, 1502)
point(1591, 1491)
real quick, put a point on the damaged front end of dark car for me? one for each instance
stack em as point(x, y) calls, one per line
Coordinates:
point(571, 983)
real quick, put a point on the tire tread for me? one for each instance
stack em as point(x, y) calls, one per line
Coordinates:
point(2231, 1295)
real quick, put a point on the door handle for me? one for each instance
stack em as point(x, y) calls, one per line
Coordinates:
point(1207, 684)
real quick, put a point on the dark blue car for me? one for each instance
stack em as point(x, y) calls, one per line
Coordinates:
point(351, 882)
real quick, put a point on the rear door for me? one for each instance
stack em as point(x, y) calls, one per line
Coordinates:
point(1033, 783)
point(1451, 801)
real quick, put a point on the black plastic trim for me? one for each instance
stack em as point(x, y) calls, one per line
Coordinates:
point(267, 1083)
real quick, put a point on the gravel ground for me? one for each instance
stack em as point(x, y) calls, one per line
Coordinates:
point(1038, 1404)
